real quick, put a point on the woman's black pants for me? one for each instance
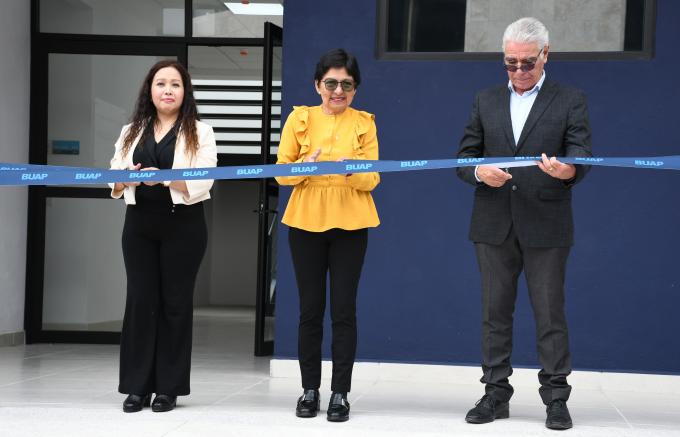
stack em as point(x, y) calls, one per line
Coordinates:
point(162, 250)
point(315, 254)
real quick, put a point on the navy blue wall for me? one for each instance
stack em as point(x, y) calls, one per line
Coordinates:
point(419, 297)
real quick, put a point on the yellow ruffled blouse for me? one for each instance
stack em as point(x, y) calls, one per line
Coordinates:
point(320, 203)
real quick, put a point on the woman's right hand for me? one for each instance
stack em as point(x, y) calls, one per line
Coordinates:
point(313, 156)
point(120, 186)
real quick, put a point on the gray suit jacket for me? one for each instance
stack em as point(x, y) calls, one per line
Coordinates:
point(536, 205)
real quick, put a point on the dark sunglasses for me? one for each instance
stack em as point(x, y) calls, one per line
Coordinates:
point(525, 66)
point(331, 84)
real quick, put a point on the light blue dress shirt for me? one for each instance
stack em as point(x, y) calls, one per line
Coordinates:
point(520, 106)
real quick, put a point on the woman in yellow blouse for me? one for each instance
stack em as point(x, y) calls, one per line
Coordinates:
point(329, 217)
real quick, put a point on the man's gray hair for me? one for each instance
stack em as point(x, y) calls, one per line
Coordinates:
point(527, 29)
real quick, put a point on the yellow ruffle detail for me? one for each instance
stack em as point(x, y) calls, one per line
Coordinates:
point(363, 125)
point(302, 116)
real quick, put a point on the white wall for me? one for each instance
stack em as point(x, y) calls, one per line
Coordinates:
point(119, 17)
point(69, 110)
point(234, 244)
point(228, 275)
point(14, 116)
point(90, 98)
point(84, 272)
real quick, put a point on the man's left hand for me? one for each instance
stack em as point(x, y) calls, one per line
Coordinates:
point(556, 169)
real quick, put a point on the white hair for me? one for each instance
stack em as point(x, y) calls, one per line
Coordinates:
point(527, 29)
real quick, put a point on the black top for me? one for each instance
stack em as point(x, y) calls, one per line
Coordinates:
point(160, 155)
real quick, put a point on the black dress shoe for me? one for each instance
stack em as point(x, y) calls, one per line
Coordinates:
point(558, 415)
point(163, 403)
point(338, 408)
point(488, 409)
point(308, 404)
point(134, 403)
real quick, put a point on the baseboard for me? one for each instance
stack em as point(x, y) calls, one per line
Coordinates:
point(106, 326)
point(585, 380)
point(13, 339)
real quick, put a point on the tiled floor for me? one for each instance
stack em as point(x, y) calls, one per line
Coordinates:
point(70, 390)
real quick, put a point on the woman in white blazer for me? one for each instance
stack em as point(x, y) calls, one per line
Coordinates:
point(164, 237)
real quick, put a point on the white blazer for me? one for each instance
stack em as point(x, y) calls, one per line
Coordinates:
point(205, 156)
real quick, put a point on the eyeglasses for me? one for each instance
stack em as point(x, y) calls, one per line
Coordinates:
point(525, 66)
point(331, 84)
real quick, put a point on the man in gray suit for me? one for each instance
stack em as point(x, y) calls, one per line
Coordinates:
point(522, 218)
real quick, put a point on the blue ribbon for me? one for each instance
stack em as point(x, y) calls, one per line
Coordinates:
point(31, 174)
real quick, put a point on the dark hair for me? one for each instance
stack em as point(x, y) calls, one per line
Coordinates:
point(145, 111)
point(338, 58)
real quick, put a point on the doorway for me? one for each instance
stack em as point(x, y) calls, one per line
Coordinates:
point(83, 89)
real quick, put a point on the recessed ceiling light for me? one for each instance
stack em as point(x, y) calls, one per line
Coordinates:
point(255, 8)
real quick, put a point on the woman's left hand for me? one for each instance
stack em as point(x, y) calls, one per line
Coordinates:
point(150, 183)
point(342, 160)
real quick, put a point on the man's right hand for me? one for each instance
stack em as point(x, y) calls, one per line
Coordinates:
point(492, 176)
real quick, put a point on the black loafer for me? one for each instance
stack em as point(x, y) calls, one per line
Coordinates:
point(135, 403)
point(338, 408)
point(308, 404)
point(488, 409)
point(558, 416)
point(163, 403)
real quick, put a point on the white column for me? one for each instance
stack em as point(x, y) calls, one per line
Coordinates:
point(15, 50)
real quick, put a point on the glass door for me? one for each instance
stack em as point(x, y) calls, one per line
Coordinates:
point(266, 265)
point(83, 96)
point(88, 59)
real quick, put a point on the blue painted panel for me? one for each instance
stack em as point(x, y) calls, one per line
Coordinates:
point(419, 299)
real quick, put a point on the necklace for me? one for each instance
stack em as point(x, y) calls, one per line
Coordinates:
point(162, 128)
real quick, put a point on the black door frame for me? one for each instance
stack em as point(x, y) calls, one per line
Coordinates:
point(42, 44)
point(273, 36)
point(38, 195)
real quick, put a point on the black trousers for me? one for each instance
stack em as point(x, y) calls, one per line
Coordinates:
point(315, 254)
point(544, 269)
point(162, 250)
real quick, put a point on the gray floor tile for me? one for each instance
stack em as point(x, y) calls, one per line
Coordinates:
point(67, 390)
